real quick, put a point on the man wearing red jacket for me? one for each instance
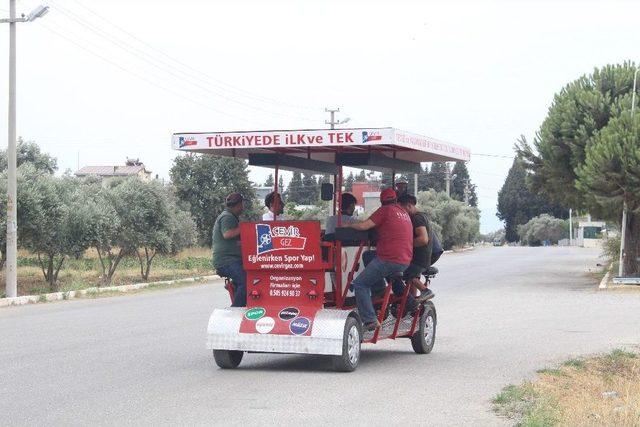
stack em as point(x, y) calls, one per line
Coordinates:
point(394, 250)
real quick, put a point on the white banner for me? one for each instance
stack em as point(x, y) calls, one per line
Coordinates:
point(252, 140)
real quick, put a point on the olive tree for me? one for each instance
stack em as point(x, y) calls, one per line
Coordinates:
point(150, 221)
point(44, 206)
point(454, 221)
point(542, 228)
point(97, 225)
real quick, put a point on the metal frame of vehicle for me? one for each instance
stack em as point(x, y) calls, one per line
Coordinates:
point(329, 329)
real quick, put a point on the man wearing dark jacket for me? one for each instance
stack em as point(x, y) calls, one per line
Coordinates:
point(422, 246)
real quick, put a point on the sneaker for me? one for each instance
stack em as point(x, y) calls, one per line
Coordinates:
point(371, 326)
point(426, 295)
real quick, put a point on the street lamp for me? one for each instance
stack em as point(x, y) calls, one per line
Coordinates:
point(623, 229)
point(12, 211)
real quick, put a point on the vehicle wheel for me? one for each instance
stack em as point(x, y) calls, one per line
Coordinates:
point(351, 340)
point(424, 337)
point(228, 359)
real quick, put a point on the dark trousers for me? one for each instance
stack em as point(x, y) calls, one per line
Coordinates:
point(236, 273)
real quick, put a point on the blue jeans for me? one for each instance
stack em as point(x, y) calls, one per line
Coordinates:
point(236, 273)
point(375, 271)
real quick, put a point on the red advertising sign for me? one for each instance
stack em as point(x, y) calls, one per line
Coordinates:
point(285, 278)
point(281, 245)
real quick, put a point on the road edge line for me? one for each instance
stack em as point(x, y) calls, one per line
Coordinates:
point(605, 280)
point(60, 296)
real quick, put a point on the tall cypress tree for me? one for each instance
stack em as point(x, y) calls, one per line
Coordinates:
point(311, 191)
point(435, 178)
point(517, 204)
point(458, 185)
point(296, 189)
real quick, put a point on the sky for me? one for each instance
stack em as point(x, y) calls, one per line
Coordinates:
point(100, 81)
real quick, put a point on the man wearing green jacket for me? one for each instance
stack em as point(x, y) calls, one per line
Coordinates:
point(227, 257)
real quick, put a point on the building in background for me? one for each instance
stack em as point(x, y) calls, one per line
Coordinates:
point(359, 189)
point(590, 233)
point(132, 167)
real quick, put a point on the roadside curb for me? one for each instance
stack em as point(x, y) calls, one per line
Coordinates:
point(468, 248)
point(60, 296)
point(605, 280)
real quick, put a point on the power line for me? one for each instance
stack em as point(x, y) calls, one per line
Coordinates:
point(164, 65)
point(499, 156)
point(143, 78)
point(219, 83)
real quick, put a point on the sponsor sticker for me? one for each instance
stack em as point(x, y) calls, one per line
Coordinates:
point(288, 313)
point(255, 313)
point(265, 325)
point(299, 326)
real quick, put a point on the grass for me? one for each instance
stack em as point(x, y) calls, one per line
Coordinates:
point(77, 274)
point(601, 390)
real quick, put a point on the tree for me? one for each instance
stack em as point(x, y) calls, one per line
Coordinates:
point(348, 182)
point(204, 181)
point(147, 220)
point(269, 182)
point(281, 184)
point(461, 181)
point(579, 112)
point(436, 176)
point(44, 206)
point(455, 222)
point(29, 152)
point(96, 219)
point(311, 191)
point(610, 176)
point(517, 204)
point(362, 176)
point(295, 191)
point(423, 181)
point(542, 228)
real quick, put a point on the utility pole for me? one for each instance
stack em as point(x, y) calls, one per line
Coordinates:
point(447, 178)
point(466, 191)
point(333, 112)
point(570, 227)
point(12, 205)
point(333, 122)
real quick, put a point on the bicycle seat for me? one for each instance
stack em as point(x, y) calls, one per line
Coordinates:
point(431, 271)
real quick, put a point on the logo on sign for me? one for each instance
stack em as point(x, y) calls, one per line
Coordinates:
point(255, 313)
point(288, 313)
point(371, 136)
point(299, 326)
point(187, 141)
point(278, 238)
point(265, 325)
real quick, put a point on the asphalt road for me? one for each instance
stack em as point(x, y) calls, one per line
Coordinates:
point(141, 359)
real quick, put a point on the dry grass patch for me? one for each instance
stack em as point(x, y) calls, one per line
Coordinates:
point(596, 391)
point(85, 272)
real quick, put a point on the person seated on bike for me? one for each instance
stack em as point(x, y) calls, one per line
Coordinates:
point(227, 257)
point(347, 208)
point(422, 246)
point(393, 254)
point(274, 203)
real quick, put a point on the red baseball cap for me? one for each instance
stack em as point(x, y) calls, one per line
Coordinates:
point(388, 195)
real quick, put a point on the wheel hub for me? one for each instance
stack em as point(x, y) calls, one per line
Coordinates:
point(353, 345)
point(428, 330)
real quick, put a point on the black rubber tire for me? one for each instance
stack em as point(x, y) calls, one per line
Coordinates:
point(418, 340)
point(344, 363)
point(228, 359)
